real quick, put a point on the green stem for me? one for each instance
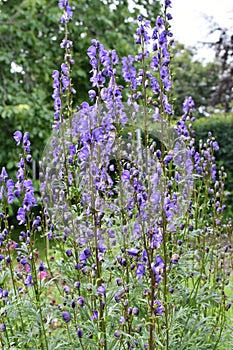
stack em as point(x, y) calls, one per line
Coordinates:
point(70, 338)
point(165, 278)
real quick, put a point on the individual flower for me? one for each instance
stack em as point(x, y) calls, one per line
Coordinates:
point(73, 303)
point(41, 267)
point(26, 142)
point(66, 316)
point(10, 191)
point(85, 254)
point(140, 271)
point(101, 290)
point(69, 253)
point(125, 176)
point(81, 301)
point(65, 69)
point(117, 334)
point(18, 137)
point(132, 251)
point(135, 311)
point(92, 95)
point(2, 327)
point(119, 281)
point(159, 309)
point(66, 289)
point(168, 3)
point(28, 281)
point(94, 315)
point(21, 216)
point(29, 200)
point(79, 333)
point(77, 285)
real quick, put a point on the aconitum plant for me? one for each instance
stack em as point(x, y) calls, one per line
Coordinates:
point(136, 253)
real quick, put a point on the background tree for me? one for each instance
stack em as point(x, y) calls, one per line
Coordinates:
point(192, 78)
point(223, 47)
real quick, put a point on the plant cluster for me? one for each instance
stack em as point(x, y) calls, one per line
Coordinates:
point(136, 250)
point(222, 127)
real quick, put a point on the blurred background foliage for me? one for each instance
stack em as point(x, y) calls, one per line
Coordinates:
point(30, 36)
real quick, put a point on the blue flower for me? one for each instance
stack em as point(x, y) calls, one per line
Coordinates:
point(41, 267)
point(66, 316)
point(28, 281)
point(94, 315)
point(125, 176)
point(65, 69)
point(79, 333)
point(18, 137)
point(21, 216)
point(29, 200)
point(81, 301)
point(85, 254)
point(69, 253)
point(168, 3)
point(26, 142)
point(92, 94)
point(159, 310)
point(2, 327)
point(132, 251)
point(140, 271)
point(101, 290)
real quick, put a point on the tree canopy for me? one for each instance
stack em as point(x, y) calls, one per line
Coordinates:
point(192, 78)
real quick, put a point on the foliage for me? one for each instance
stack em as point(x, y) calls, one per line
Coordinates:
point(192, 78)
point(221, 126)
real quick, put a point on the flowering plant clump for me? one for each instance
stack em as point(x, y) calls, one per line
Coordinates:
point(136, 251)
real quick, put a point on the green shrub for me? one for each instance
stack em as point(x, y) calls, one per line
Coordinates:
point(221, 126)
